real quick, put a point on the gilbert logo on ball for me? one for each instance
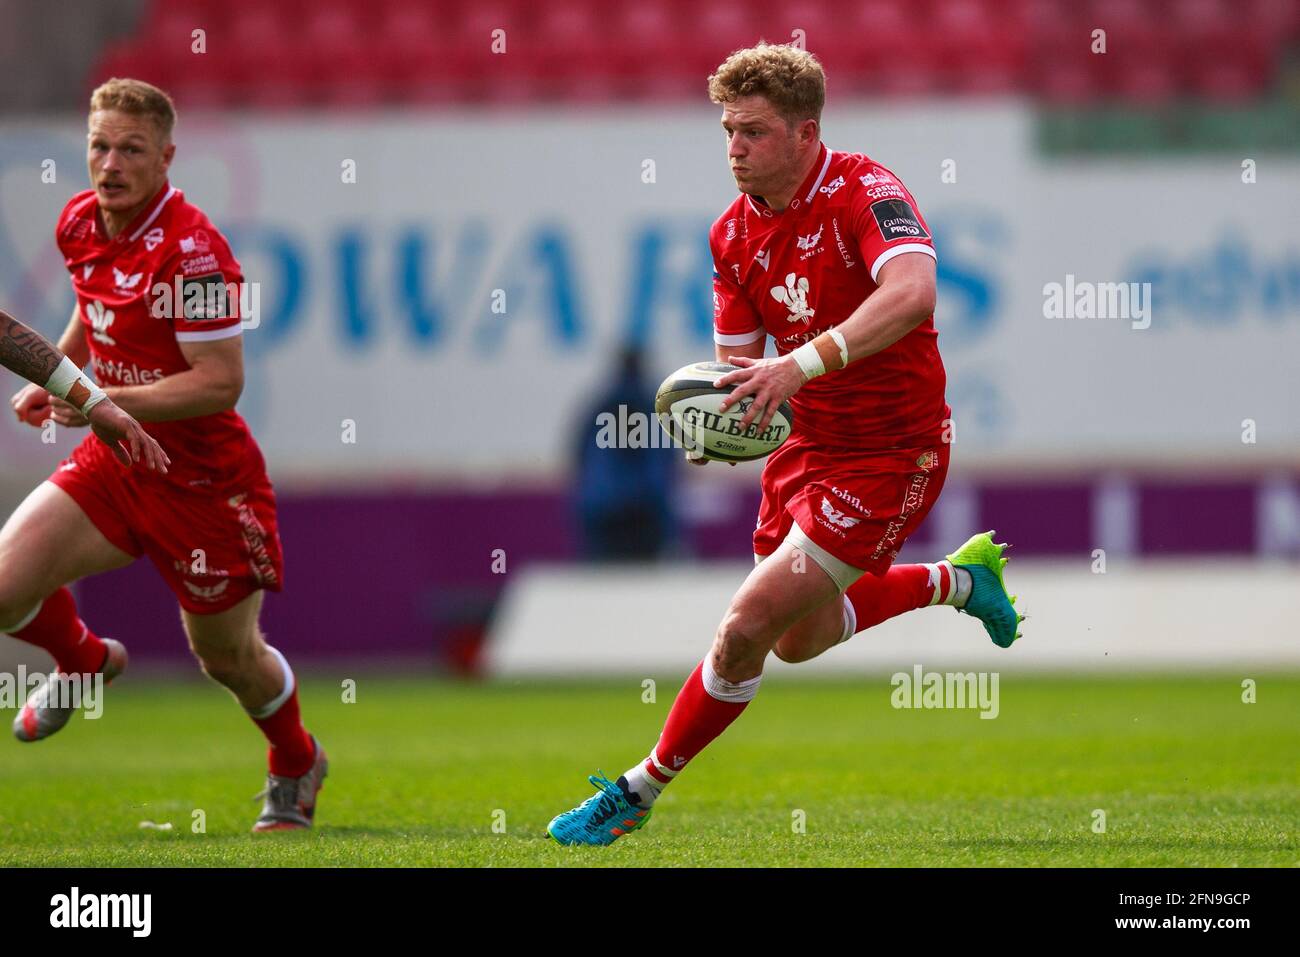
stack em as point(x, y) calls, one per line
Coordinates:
point(689, 408)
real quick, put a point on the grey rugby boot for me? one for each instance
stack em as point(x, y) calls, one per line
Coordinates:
point(46, 711)
point(291, 802)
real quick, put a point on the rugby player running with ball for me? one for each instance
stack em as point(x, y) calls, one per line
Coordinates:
point(827, 253)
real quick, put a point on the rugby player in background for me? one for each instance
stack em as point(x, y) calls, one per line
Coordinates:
point(158, 314)
point(826, 252)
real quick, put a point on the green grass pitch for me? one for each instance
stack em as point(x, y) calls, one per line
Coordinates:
point(1186, 773)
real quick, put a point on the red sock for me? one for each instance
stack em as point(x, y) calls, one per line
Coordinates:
point(57, 629)
point(877, 598)
point(291, 752)
point(696, 718)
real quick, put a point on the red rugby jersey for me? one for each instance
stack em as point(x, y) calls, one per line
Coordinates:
point(169, 277)
point(796, 273)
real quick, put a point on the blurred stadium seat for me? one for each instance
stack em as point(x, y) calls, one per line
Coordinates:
point(289, 54)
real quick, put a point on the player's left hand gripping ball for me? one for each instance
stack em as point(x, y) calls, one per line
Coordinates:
point(771, 381)
point(697, 412)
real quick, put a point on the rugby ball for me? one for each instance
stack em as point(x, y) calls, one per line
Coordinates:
point(687, 407)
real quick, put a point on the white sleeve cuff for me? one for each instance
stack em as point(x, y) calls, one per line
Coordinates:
point(740, 339)
point(890, 253)
point(208, 335)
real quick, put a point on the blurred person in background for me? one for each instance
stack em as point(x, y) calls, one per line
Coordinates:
point(624, 472)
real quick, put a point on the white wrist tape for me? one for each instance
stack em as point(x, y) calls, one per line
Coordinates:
point(68, 375)
point(809, 360)
point(63, 378)
point(844, 346)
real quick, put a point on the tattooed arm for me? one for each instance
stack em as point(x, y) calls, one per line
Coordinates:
point(32, 404)
point(26, 351)
point(32, 356)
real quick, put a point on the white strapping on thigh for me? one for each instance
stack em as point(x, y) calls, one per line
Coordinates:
point(850, 621)
point(842, 573)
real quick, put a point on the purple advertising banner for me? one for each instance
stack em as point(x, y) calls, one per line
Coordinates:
point(414, 576)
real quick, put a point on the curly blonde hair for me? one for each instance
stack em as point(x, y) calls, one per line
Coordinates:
point(137, 98)
point(791, 79)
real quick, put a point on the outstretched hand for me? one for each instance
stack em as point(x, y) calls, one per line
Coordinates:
point(119, 432)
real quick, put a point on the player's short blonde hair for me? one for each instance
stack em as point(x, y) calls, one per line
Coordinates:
point(139, 99)
point(791, 79)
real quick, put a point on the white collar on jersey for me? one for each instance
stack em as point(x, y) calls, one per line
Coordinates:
point(826, 165)
point(820, 176)
point(157, 211)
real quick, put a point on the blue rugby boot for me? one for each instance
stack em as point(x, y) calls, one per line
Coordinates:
point(989, 600)
point(601, 819)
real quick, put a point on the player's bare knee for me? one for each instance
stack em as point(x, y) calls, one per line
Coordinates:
point(734, 631)
point(220, 669)
point(225, 664)
point(741, 637)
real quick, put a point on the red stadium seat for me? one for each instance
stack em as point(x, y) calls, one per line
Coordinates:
point(821, 26)
point(960, 16)
point(568, 22)
point(871, 17)
point(983, 61)
point(645, 50)
point(1193, 17)
point(408, 25)
point(890, 50)
point(277, 54)
point(127, 60)
point(286, 82)
point(335, 24)
point(1119, 16)
point(898, 63)
point(1276, 18)
point(719, 28)
point(982, 45)
point(478, 19)
point(1231, 64)
point(1061, 66)
point(652, 22)
point(1140, 65)
point(571, 52)
point(169, 26)
point(416, 58)
point(200, 84)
